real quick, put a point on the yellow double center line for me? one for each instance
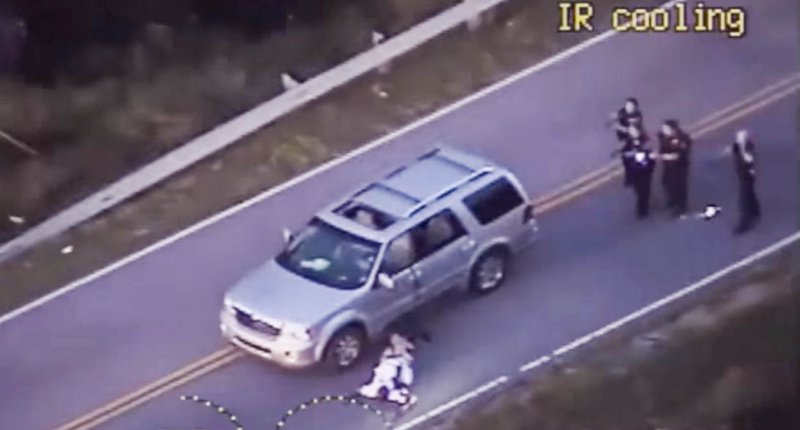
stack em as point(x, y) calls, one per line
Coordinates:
point(175, 379)
point(546, 203)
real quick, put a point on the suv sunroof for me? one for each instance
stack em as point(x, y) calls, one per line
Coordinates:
point(365, 215)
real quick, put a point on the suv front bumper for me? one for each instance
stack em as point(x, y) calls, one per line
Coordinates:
point(288, 353)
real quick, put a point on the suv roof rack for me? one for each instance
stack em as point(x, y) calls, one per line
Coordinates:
point(409, 189)
point(447, 190)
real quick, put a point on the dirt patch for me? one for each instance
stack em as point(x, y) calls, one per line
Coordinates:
point(520, 34)
point(739, 372)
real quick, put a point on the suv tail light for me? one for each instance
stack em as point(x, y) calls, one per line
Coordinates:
point(527, 214)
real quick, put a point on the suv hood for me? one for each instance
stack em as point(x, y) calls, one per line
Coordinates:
point(274, 293)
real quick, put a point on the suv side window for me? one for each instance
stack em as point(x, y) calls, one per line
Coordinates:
point(493, 201)
point(421, 241)
point(439, 231)
point(400, 254)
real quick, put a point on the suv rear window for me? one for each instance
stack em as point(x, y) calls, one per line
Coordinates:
point(493, 201)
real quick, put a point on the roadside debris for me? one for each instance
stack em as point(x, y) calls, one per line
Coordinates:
point(379, 91)
point(16, 219)
point(288, 82)
point(710, 212)
point(67, 249)
point(377, 38)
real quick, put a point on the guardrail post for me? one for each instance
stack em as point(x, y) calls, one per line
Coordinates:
point(288, 82)
point(481, 19)
point(377, 39)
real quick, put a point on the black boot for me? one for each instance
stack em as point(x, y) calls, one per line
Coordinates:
point(743, 227)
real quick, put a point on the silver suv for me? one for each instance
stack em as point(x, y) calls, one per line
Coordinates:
point(448, 220)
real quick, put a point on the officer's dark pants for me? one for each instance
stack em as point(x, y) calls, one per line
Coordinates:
point(641, 186)
point(668, 182)
point(628, 171)
point(676, 187)
point(749, 206)
point(682, 191)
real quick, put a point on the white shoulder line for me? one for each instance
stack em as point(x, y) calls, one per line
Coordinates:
point(789, 240)
point(561, 56)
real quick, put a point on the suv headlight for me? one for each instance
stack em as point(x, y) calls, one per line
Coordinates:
point(229, 307)
point(296, 331)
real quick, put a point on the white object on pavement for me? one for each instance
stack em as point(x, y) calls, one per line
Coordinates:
point(393, 376)
point(710, 212)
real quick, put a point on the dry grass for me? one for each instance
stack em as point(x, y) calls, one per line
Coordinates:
point(163, 90)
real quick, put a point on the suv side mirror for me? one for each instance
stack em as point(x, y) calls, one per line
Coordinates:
point(287, 235)
point(385, 281)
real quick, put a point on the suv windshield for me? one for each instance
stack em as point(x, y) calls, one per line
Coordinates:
point(329, 256)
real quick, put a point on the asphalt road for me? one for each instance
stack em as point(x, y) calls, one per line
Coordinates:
point(593, 264)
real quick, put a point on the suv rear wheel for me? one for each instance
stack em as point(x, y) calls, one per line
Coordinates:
point(489, 272)
point(345, 348)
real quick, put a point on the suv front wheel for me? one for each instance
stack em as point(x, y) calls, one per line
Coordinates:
point(489, 272)
point(344, 349)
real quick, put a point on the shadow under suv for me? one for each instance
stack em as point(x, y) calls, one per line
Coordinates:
point(448, 220)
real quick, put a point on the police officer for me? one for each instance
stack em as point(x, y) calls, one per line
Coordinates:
point(627, 116)
point(674, 151)
point(642, 164)
point(744, 157)
point(635, 138)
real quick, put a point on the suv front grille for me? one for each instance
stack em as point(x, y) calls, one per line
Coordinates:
point(247, 320)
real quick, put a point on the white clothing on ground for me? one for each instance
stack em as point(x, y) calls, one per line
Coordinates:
point(393, 374)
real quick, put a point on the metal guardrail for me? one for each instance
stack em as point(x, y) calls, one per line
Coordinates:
point(232, 131)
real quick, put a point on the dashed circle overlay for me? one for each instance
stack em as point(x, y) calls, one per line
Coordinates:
point(348, 400)
point(218, 409)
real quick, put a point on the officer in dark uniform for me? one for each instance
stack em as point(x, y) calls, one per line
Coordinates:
point(622, 121)
point(642, 164)
point(744, 158)
point(635, 138)
point(674, 151)
point(627, 116)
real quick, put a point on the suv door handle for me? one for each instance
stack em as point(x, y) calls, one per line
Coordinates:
point(468, 245)
point(415, 275)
